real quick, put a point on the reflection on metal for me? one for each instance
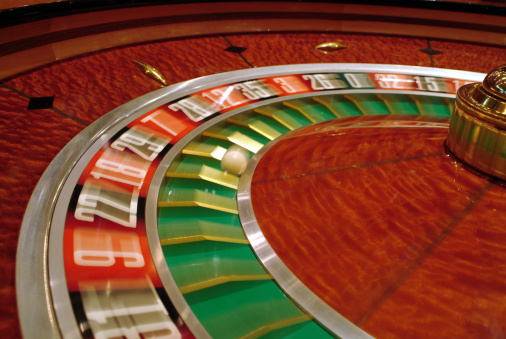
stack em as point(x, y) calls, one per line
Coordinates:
point(450, 103)
point(495, 82)
point(195, 171)
point(477, 133)
point(234, 137)
point(487, 100)
point(259, 332)
point(42, 292)
point(329, 47)
point(222, 280)
point(191, 197)
point(150, 71)
point(204, 150)
point(292, 286)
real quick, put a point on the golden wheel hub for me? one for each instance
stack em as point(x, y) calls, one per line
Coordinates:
point(477, 133)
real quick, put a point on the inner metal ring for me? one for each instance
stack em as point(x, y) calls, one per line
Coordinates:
point(291, 285)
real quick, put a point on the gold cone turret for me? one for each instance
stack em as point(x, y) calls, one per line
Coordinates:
point(477, 133)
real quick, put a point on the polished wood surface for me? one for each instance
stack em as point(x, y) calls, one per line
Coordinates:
point(30, 140)
point(84, 89)
point(88, 86)
point(387, 229)
point(27, 45)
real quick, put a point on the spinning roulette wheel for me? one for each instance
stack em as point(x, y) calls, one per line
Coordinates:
point(145, 234)
point(115, 207)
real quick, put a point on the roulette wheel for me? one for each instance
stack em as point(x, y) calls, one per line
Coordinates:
point(141, 234)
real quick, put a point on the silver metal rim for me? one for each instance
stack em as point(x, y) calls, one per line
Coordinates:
point(291, 285)
point(39, 268)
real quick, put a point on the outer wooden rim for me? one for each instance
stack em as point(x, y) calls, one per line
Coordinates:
point(34, 44)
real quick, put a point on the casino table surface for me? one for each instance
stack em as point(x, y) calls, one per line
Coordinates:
point(57, 81)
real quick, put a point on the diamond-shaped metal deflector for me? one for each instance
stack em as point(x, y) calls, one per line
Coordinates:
point(430, 51)
point(40, 103)
point(235, 49)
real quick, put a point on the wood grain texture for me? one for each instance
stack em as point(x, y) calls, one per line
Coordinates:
point(91, 85)
point(317, 142)
point(280, 49)
point(30, 140)
point(463, 281)
point(356, 224)
point(469, 57)
point(85, 88)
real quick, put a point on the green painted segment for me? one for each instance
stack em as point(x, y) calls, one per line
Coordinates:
point(401, 104)
point(190, 162)
point(197, 227)
point(320, 110)
point(200, 262)
point(246, 131)
point(215, 142)
point(343, 107)
point(182, 197)
point(294, 116)
point(237, 309)
point(175, 185)
point(300, 331)
point(207, 169)
point(242, 307)
point(370, 104)
point(435, 106)
point(286, 116)
point(207, 147)
point(169, 215)
point(316, 112)
point(269, 121)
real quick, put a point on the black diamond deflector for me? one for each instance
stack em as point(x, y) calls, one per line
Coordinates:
point(235, 49)
point(40, 103)
point(430, 51)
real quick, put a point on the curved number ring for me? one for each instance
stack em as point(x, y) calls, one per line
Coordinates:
point(144, 233)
